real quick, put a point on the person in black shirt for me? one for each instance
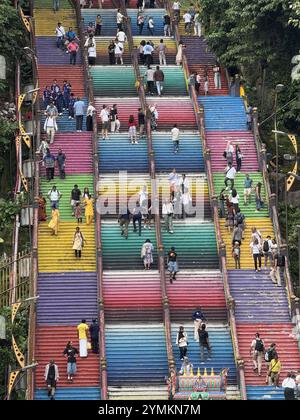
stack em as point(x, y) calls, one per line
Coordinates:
point(51, 378)
point(204, 342)
point(141, 121)
point(94, 333)
point(75, 198)
point(137, 217)
point(167, 25)
point(70, 352)
point(172, 264)
point(124, 220)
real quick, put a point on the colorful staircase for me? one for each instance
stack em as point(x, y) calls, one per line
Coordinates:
point(67, 287)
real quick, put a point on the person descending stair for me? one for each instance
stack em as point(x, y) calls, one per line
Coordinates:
point(49, 162)
point(73, 48)
point(75, 198)
point(60, 35)
point(248, 183)
point(61, 163)
point(89, 209)
point(277, 268)
point(257, 351)
point(78, 242)
point(141, 123)
point(230, 173)
point(51, 378)
point(55, 5)
point(70, 353)
point(54, 222)
point(182, 342)
point(187, 22)
point(83, 329)
point(120, 19)
point(137, 217)
point(54, 196)
point(172, 264)
point(236, 254)
point(147, 254)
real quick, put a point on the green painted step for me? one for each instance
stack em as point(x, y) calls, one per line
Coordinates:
point(65, 187)
point(195, 245)
point(124, 254)
point(248, 210)
point(48, 4)
point(117, 81)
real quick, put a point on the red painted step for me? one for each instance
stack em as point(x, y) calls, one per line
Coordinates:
point(74, 75)
point(202, 69)
point(287, 348)
point(50, 343)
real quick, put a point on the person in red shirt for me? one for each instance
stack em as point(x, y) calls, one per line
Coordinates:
point(132, 130)
point(73, 48)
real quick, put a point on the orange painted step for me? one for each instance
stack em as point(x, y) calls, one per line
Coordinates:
point(73, 74)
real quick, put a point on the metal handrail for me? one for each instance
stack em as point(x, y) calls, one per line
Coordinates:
point(98, 237)
point(230, 303)
point(152, 172)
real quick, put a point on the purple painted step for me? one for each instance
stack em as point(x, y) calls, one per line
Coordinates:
point(66, 298)
point(257, 299)
point(78, 150)
point(49, 54)
point(197, 51)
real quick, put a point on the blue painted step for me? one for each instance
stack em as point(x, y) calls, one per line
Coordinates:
point(118, 154)
point(188, 159)
point(256, 297)
point(136, 354)
point(224, 113)
point(222, 350)
point(84, 393)
point(264, 393)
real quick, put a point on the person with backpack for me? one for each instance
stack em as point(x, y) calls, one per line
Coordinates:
point(267, 246)
point(172, 264)
point(147, 254)
point(182, 342)
point(51, 378)
point(78, 242)
point(239, 220)
point(204, 343)
point(274, 371)
point(270, 355)
point(278, 268)
point(124, 220)
point(257, 350)
point(70, 352)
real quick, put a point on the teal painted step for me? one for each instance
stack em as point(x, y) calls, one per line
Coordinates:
point(65, 187)
point(264, 393)
point(222, 350)
point(136, 354)
point(195, 245)
point(116, 81)
point(249, 209)
point(80, 393)
point(122, 254)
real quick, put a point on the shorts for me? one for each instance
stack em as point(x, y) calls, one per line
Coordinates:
point(51, 383)
point(71, 368)
point(105, 125)
point(172, 267)
point(247, 191)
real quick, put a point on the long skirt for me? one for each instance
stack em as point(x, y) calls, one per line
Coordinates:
point(83, 347)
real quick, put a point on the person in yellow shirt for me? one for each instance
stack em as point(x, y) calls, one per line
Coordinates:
point(274, 371)
point(89, 209)
point(54, 222)
point(82, 329)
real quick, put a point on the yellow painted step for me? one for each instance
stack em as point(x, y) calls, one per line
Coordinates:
point(56, 254)
point(46, 21)
point(263, 224)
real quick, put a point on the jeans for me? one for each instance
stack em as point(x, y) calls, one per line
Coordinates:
point(50, 173)
point(238, 165)
point(56, 5)
point(150, 86)
point(54, 203)
point(268, 256)
point(159, 87)
point(151, 30)
point(139, 220)
point(71, 368)
point(62, 173)
point(98, 30)
point(73, 55)
point(59, 42)
point(79, 120)
point(259, 203)
point(168, 218)
point(141, 26)
point(202, 347)
point(176, 146)
point(183, 351)
point(257, 257)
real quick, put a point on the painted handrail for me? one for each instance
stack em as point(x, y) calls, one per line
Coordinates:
point(199, 113)
point(90, 93)
point(155, 195)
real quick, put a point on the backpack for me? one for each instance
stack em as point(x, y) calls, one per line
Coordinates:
point(268, 355)
point(266, 246)
point(259, 346)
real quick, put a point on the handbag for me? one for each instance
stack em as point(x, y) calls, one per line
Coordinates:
point(225, 154)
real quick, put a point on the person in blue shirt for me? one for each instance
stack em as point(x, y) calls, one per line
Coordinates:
point(248, 182)
point(70, 35)
point(78, 112)
point(198, 318)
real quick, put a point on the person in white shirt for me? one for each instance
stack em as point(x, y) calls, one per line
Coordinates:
point(182, 343)
point(197, 25)
point(150, 25)
point(289, 386)
point(230, 172)
point(60, 35)
point(50, 127)
point(119, 52)
point(176, 8)
point(90, 44)
point(168, 214)
point(256, 253)
point(175, 138)
point(234, 199)
point(229, 152)
point(143, 194)
point(121, 37)
point(54, 196)
point(150, 80)
point(104, 115)
point(89, 117)
point(147, 51)
point(120, 18)
point(187, 22)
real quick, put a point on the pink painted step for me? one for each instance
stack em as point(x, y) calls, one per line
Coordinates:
point(217, 141)
point(78, 149)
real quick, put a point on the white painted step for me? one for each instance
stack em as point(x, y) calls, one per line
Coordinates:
point(233, 393)
point(138, 393)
